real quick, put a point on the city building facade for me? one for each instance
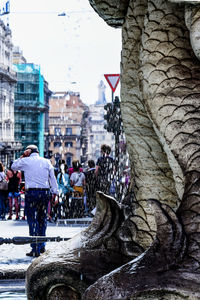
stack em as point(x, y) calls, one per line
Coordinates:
point(97, 134)
point(8, 146)
point(66, 111)
point(30, 106)
point(18, 57)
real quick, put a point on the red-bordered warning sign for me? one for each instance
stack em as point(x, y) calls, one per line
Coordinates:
point(113, 80)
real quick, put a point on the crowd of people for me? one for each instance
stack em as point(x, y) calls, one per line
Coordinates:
point(52, 194)
point(76, 188)
point(76, 196)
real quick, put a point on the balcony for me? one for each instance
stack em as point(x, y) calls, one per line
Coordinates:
point(73, 137)
point(8, 146)
point(8, 73)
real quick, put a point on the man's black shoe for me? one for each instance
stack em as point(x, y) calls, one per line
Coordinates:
point(42, 250)
point(33, 254)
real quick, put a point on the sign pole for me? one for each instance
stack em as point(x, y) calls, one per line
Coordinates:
point(113, 80)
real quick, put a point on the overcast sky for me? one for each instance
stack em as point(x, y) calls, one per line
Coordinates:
point(74, 51)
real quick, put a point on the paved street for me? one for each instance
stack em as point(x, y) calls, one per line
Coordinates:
point(14, 256)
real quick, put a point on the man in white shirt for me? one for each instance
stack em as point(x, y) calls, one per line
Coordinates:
point(40, 184)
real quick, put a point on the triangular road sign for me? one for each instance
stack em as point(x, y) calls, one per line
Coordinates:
point(113, 80)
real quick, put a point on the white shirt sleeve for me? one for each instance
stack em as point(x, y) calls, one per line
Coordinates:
point(18, 164)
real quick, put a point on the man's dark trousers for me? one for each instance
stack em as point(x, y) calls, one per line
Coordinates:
point(36, 203)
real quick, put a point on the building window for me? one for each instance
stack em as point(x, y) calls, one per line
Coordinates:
point(69, 157)
point(57, 131)
point(69, 161)
point(22, 127)
point(57, 144)
point(68, 131)
point(21, 87)
point(69, 144)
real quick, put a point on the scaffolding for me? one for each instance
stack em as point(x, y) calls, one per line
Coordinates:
point(29, 106)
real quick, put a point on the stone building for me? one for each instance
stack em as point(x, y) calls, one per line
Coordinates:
point(8, 146)
point(97, 134)
point(18, 57)
point(65, 127)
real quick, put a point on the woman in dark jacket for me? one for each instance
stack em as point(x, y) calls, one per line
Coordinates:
point(13, 192)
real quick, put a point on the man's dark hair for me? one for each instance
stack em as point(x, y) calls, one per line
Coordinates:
point(91, 163)
point(108, 149)
point(61, 161)
point(76, 165)
point(103, 148)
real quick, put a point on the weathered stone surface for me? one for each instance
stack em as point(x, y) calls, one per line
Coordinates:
point(105, 245)
point(113, 11)
point(62, 292)
point(160, 92)
point(160, 89)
